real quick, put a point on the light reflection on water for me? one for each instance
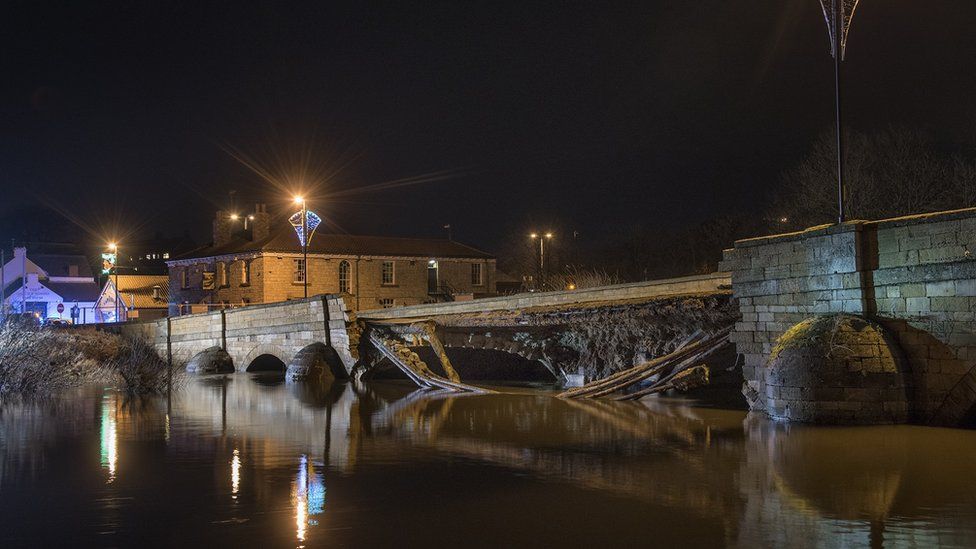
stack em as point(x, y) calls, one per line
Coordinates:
point(246, 460)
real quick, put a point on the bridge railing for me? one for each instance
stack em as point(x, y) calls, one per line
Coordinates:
point(699, 284)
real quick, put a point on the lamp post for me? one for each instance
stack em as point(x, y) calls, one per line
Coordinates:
point(542, 255)
point(839, 14)
point(300, 200)
point(115, 268)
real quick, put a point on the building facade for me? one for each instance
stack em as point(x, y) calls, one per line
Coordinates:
point(262, 265)
point(143, 297)
point(49, 286)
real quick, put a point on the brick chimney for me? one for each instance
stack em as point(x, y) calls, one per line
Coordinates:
point(261, 224)
point(222, 228)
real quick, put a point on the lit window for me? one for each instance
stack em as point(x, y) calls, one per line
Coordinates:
point(298, 276)
point(389, 273)
point(165, 255)
point(477, 274)
point(221, 273)
point(386, 302)
point(344, 277)
point(245, 273)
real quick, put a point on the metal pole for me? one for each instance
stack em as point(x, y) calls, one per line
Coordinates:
point(23, 281)
point(838, 32)
point(542, 262)
point(305, 245)
point(118, 256)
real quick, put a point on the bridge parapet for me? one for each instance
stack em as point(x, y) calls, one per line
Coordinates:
point(690, 285)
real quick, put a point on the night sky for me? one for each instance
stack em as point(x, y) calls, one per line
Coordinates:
point(124, 115)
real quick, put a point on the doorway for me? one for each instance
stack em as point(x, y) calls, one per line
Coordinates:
point(432, 276)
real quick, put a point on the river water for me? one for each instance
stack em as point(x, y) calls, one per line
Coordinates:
point(250, 460)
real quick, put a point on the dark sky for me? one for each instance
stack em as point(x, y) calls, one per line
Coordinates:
point(593, 116)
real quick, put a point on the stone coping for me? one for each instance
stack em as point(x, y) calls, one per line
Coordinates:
point(652, 288)
point(858, 224)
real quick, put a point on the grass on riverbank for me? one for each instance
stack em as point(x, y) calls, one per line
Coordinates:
point(36, 360)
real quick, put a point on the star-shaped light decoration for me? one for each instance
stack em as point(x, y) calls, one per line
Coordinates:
point(296, 221)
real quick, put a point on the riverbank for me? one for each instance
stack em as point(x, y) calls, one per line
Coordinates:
point(38, 361)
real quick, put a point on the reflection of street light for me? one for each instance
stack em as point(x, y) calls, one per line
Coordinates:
point(115, 249)
point(542, 254)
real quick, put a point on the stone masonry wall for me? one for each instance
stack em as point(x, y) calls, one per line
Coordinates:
point(273, 280)
point(914, 275)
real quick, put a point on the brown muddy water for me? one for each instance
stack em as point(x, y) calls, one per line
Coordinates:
point(253, 461)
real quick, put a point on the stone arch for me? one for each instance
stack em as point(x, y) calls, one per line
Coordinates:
point(274, 351)
point(316, 361)
point(212, 360)
point(504, 344)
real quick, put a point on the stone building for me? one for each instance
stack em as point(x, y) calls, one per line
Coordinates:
point(264, 264)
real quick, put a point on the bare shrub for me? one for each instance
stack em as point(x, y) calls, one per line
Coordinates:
point(36, 360)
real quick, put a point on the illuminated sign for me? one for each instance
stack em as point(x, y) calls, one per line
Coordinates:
point(108, 262)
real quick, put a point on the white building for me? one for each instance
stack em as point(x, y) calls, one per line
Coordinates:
point(43, 283)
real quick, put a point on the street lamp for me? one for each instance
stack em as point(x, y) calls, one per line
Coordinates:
point(304, 222)
point(542, 254)
point(839, 14)
point(114, 247)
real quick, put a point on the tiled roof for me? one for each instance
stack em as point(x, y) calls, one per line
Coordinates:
point(341, 244)
point(137, 290)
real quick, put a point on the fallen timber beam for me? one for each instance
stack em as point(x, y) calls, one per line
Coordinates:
point(438, 347)
point(419, 373)
point(672, 363)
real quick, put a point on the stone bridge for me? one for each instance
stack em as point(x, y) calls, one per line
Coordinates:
point(864, 322)
point(306, 337)
point(577, 335)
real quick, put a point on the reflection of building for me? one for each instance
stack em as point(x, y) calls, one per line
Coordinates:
point(139, 296)
point(41, 283)
point(262, 265)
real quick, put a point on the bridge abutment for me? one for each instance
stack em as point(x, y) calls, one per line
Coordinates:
point(914, 276)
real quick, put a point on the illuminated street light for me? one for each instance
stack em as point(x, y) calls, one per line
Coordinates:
point(304, 222)
point(114, 247)
point(542, 255)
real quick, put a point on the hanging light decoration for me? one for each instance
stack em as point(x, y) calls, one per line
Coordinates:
point(296, 221)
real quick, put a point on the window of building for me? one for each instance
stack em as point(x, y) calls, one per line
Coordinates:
point(155, 291)
point(245, 272)
point(298, 276)
point(386, 302)
point(389, 273)
point(184, 279)
point(165, 255)
point(221, 274)
point(477, 274)
point(344, 277)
